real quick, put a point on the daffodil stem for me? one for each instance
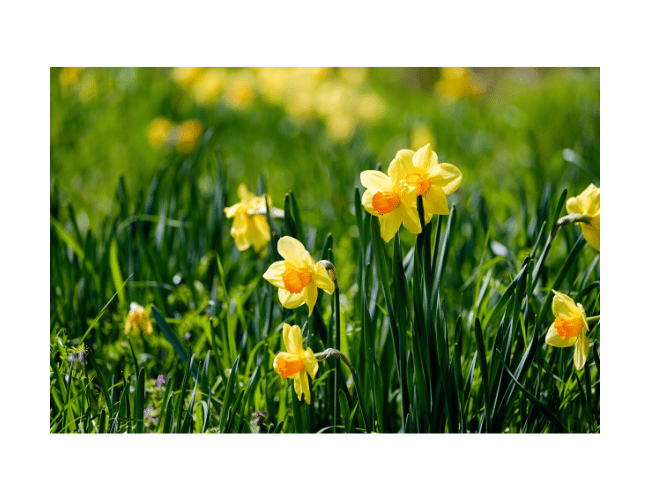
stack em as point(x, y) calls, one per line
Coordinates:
point(337, 344)
point(593, 319)
point(338, 355)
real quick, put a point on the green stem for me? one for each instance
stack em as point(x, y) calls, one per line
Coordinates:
point(593, 319)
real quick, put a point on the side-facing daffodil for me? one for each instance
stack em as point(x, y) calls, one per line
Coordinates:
point(138, 320)
point(297, 362)
point(392, 201)
point(588, 203)
point(298, 277)
point(250, 226)
point(569, 328)
point(434, 181)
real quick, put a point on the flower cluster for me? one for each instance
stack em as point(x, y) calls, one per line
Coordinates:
point(393, 197)
point(164, 134)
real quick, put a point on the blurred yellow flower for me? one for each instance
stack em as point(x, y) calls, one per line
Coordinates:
point(297, 362)
point(69, 76)
point(354, 76)
point(186, 76)
point(138, 320)
point(250, 226)
point(272, 83)
point(298, 277)
point(240, 89)
point(569, 328)
point(458, 82)
point(188, 134)
point(588, 202)
point(158, 132)
point(420, 169)
point(394, 202)
point(207, 87)
point(340, 126)
point(421, 135)
point(370, 107)
point(88, 88)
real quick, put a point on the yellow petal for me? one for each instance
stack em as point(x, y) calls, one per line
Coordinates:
point(291, 300)
point(231, 211)
point(435, 201)
point(288, 365)
point(447, 176)
point(389, 224)
point(401, 165)
point(583, 315)
point(563, 306)
point(310, 362)
point(376, 181)
point(366, 201)
point(243, 193)
point(292, 339)
point(148, 327)
point(592, 232)
point(127, 326)
point(581, 351)
point(292, 250)
point(425, 158)
point(411, 219)
point(554, 339)
point(311, 294)
point(302, 384)
point(274, 273)
point(322, 279)
point(573, 206)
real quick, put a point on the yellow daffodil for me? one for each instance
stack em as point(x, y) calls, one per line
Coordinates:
point(421, 135)
point(158, 132)
point(208, 85)
point(394, 202)
point(298, 277)
point(250, 226)
point(588, 202)
point(569, 328)
point(188, 134)
point(420, 169)
point(186, 76)
point(69, 76)
point(458, 82)
point(297, 362)
point(138, 320)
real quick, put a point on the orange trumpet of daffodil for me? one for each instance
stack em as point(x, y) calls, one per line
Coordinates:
point(138, 320)
point(588, 203)
point(298, 277)
point(297, 362)
point(569, 328)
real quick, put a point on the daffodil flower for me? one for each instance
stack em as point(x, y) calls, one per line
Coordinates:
point(138, 320)
point(297, 362)
point(588, 202)
point(298, 277)
point(392, 201)
point(569, 328)
point(250, 227)
point(432, 180)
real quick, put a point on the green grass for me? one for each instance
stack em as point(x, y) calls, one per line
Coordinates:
point(445, 330)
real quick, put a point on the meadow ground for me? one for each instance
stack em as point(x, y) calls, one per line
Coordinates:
point(445, 331)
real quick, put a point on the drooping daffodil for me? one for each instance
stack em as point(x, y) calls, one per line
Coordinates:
point(298, 277)
point(250, 227)
point(588, 203)
point(138, 320)
point(432, 180)
point(569, 328)
point(297, 362)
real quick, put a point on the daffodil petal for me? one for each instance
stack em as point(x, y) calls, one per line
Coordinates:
point(592, 232)
point(435, 201)
point(425, 158)
point(311, 294)
point(310, 362)
point(411, 219)
point(389, 224)
point(563, 306)
point(298, 385)
point(366, 201)
point(376, 181)
point(572, 206)
point(243, 193)
point(292, 337)
point(291, 249)
point(322, 279)
point(401, 165)
point(291, 300)
point(581, 351)
point(274, 273)
point(554, 339)
point(231, 211)
point(447, 176)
